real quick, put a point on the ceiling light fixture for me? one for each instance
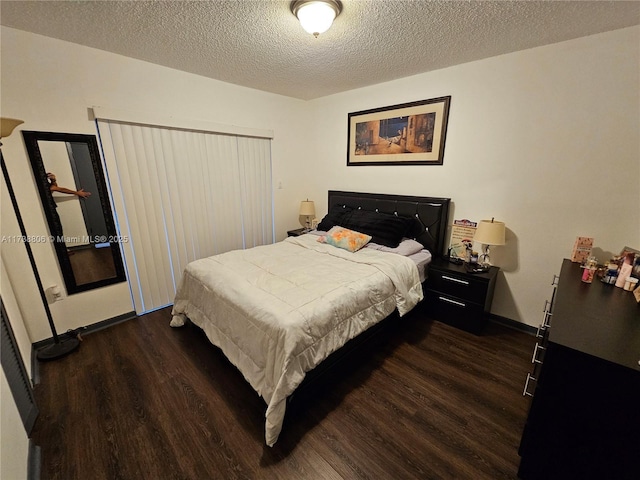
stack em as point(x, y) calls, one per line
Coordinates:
point(316, 16)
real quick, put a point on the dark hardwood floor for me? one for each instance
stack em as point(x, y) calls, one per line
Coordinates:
point(141, 400)
point(92, 264)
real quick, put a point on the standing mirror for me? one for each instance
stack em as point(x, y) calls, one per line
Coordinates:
point(73, 192)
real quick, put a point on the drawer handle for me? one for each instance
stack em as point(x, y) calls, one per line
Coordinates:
point(525, 392)
point(541, 329)
point(534, 358)
point(547, 314)
point(554, 282)
point(445, 299)
point(455, 280)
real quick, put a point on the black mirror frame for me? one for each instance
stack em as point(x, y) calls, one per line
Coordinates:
point(31, 139)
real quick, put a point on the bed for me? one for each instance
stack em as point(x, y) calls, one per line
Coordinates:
point(278, 311)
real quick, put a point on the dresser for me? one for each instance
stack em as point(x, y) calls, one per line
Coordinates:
point(457, 297)
point(584, 417)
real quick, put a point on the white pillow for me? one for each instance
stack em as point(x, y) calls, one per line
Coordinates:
point(406, 247)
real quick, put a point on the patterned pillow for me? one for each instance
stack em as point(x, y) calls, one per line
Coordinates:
point(344, 238)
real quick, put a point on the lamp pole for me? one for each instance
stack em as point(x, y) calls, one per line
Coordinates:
point(59, 348)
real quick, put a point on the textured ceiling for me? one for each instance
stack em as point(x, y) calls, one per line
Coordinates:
point(260, 44)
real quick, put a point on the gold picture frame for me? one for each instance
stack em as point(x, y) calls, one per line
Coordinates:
point(406, 134)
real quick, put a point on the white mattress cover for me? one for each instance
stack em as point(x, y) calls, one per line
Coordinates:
point(278, 310)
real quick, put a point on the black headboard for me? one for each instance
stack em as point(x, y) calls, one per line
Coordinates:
point(433, 212)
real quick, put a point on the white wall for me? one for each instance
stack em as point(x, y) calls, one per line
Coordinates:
point(50, 84)
point(546, 140)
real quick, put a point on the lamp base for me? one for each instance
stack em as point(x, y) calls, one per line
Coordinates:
point(58, 350)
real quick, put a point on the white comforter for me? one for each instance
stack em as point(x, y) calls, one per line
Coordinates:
point(277, 311)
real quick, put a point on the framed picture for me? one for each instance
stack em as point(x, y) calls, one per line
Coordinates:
point(407, 134)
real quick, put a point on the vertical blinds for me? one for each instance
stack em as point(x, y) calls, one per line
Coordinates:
point(181, 195)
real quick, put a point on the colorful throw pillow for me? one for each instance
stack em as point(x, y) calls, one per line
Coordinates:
point(346, 239)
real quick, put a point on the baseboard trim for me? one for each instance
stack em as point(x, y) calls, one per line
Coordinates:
point(94, 327)
point(507, 322)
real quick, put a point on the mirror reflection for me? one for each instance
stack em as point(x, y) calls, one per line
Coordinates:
point(73, 192)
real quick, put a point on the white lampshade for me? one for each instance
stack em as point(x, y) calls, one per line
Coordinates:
point(316, 16)
point(307, 208)
point(490, 232)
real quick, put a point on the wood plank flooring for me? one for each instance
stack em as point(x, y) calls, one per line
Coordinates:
point(141, 400)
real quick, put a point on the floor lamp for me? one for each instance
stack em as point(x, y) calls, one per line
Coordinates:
point(59, 348)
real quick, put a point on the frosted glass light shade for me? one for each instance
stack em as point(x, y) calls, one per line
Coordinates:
point(316, 16)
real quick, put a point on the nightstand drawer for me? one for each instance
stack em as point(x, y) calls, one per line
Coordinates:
point(467, 287)
point(463, 314)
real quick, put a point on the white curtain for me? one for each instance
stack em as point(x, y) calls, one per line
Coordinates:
point(181, 195)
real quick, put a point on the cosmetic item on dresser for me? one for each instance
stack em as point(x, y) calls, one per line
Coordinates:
point(581, 249)
point(630, 284)
point(623, 274)
point(589, 271)
point(611, 273)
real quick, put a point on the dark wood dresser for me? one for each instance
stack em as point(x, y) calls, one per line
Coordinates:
point(584, 418)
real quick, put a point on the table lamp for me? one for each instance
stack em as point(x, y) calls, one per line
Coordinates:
point(488, 233)
point(307, 210)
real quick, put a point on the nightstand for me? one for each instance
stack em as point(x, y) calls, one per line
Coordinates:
point(295, 233)
point(457, 297)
